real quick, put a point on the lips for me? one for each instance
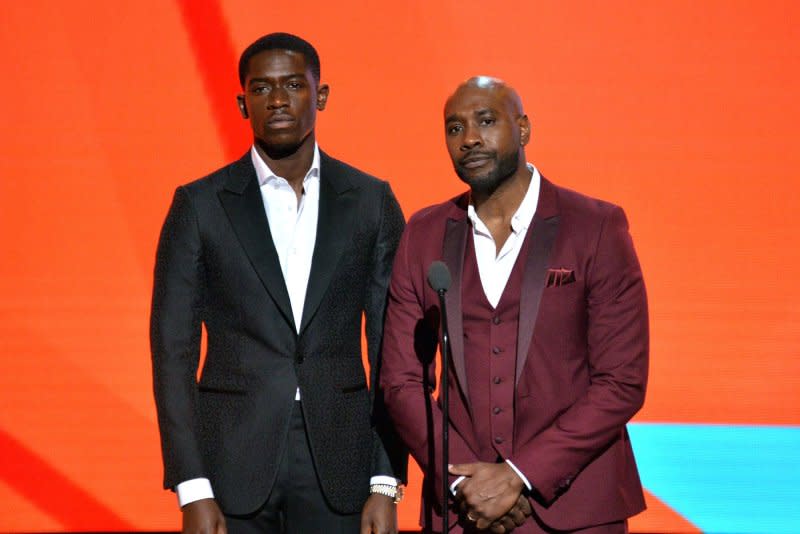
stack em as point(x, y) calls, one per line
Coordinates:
point(280, 121)
point(475, 160)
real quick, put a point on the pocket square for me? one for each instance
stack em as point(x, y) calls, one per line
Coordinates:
point(559, 277)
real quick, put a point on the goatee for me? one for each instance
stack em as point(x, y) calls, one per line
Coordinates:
point(488, 183)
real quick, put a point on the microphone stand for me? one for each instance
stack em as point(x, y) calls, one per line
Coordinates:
point(445, 397)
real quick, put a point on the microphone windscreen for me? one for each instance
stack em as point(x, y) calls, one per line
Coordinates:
point(439, 276)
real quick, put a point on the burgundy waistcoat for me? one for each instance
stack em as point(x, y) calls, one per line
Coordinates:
point(490, 354)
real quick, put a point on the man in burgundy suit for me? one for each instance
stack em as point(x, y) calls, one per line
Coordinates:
point(549, 338)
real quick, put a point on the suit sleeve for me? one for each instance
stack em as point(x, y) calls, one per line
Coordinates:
point(175, 331)
point(390, 457)
point(618, 346)
point(409, 372)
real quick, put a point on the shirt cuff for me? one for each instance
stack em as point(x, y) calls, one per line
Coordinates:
point(383, 479)
point(520, 475)
point(193, 490)
point(455, 484)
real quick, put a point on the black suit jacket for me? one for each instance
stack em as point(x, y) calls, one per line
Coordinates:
point(217, 266)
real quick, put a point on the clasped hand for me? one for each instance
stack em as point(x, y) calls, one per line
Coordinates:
point(491, 496)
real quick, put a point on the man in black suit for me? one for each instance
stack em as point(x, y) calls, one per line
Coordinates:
point(278, 254)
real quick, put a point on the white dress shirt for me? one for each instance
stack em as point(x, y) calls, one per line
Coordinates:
point(293, 226)
point(495, 268)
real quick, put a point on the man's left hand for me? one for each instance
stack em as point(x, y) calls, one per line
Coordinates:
point(379, 515)
point(488, 492)
point(516, 517)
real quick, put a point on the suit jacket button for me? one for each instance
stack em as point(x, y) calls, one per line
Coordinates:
point(497, 380)
point(498, 439)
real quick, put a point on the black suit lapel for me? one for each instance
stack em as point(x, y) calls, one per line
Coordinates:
point(337, 206)
point(545, 229)
point(455, 242)
point(241, 199)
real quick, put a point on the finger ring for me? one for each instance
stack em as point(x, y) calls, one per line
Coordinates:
point(473, 519)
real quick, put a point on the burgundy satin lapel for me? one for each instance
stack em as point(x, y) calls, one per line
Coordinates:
point(533, 282)
point(455, 242)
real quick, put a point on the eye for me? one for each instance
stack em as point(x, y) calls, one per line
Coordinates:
point(454, 129)
point(294, 85)
point(487, 121)
point(259, 89)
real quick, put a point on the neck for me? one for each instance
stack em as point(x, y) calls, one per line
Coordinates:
point(291, 164)
point(504, 201)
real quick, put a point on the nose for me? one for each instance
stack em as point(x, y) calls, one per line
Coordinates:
point(278, 98)
point(470, 138)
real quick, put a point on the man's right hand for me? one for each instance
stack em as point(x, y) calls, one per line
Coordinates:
point(203, 517)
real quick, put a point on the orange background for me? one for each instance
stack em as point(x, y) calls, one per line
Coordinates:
point(686, 113)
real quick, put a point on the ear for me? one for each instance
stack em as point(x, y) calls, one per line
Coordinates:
point(242, 106)
point(322, 96)
point(524, 130)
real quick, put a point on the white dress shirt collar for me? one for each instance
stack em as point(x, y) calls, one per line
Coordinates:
point(523, 217)
point(266, 175)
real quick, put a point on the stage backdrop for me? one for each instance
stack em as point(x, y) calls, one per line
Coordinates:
point(686, 113)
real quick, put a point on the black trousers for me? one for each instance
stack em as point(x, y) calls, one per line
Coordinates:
point(296, 504)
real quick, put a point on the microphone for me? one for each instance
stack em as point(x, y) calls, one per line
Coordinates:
point(439, 279)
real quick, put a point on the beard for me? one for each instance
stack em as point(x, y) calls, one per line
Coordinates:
point(488, 182)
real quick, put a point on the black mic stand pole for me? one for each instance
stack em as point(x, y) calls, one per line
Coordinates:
point(444, 395)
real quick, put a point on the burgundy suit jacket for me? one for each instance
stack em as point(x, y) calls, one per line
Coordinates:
point(582, 356)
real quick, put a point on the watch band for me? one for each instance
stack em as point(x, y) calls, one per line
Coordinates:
point(393, 492)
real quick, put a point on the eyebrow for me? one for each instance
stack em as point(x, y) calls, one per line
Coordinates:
point(481, 111)
point(279, 78)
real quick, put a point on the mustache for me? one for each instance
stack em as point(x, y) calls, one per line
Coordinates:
point(474, 155)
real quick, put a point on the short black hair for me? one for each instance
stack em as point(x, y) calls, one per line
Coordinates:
point(280, 41)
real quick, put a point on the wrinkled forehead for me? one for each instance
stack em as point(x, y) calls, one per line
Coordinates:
point(469, 100)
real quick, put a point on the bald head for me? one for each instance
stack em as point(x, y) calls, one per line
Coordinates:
point(492, 85)
point(486, 132)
